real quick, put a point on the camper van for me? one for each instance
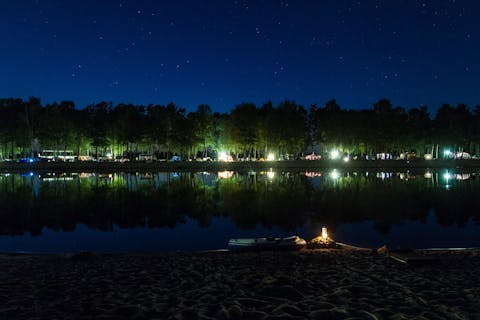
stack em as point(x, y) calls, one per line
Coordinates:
point(57, 155)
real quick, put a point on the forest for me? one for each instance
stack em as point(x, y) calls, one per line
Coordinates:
point(248, 131)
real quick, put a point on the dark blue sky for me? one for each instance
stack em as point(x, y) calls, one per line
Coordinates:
point(226, 52)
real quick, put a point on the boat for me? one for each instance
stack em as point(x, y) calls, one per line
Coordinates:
point(292, 243)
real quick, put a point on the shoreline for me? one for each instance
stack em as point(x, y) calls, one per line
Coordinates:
point(293, 165)
point(313, 284)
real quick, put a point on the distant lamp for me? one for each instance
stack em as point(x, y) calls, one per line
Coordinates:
point(222, 156)
point(334, 154)
point(447, 153)
point(270, 157)
point(346, 159)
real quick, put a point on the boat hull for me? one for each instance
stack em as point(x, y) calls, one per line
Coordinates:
point(294, 243)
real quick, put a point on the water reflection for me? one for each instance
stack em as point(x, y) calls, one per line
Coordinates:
point(31, 202)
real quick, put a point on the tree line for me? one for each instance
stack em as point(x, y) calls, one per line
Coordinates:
point(247, 131)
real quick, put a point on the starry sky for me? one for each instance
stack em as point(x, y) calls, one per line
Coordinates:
point(223, 52)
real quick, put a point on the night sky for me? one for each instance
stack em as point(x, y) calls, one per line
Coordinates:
point(226, 52)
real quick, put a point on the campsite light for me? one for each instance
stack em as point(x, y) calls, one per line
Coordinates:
point(324, 233)
point(334, 154)
point(346, 159)
point(222, 156)
point(447, 153)
point(270, 157)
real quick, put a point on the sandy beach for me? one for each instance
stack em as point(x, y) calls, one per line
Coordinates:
point(311, 284)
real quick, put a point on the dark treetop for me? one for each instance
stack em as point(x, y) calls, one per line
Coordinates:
point(226, 52)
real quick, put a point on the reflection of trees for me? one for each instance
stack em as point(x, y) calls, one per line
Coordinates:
point(286, 200)
point(249, 201)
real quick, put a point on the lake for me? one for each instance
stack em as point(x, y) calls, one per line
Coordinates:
point(169, 211)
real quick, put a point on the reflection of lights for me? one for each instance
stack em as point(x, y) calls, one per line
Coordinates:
point(334, 174)
point(334, 154)
point(270, 174)
point(346, 159)
point(385, 175)
point(447, 176)
point(427, 175)
point(462, 176)
point(312, 174)
point(57, 179)
point(225, 174)
point(270, 157)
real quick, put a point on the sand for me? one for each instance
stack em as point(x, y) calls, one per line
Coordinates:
point(312, 284)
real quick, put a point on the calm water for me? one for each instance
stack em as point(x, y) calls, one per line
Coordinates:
point(145, 212)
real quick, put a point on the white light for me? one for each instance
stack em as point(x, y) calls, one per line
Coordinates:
point(447, 153)
point(346, 159)
point(270, 157)
point(334, 154)
point(427, 175)
point(222, 156)
point(428, 156)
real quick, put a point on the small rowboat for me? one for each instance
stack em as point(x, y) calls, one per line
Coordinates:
point(264, 244)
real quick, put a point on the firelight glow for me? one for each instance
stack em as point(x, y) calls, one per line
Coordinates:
point(324, 233)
